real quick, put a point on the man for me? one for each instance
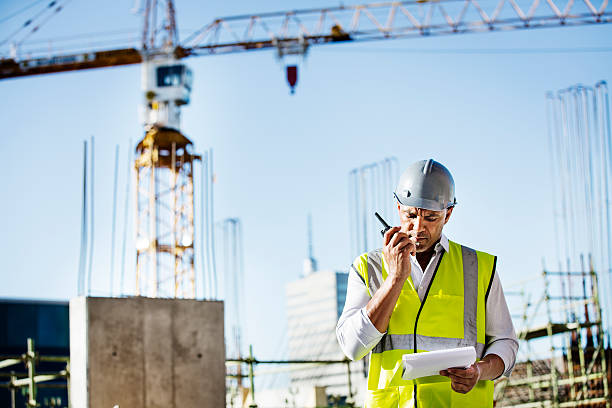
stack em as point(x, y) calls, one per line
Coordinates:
point(422, 292)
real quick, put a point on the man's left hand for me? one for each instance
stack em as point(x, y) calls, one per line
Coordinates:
point(462, 379)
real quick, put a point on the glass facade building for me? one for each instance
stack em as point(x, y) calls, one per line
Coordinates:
point(46, 322)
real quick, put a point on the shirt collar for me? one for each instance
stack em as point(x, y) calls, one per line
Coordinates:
point(442, 244)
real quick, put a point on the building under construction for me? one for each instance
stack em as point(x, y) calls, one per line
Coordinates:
point(577, 373)
point(569, 323)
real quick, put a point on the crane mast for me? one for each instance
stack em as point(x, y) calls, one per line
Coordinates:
point(164, 165)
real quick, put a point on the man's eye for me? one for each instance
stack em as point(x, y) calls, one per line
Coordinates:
point(431, 218)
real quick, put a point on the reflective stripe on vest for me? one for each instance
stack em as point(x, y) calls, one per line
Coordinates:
point(406, 341)
point(451, 315)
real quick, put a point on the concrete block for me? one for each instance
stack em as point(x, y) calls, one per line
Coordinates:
point(143, 352)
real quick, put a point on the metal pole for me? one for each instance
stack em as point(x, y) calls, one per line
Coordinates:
point(83, 250)
point(348, 372)
point(607, 156)
point(552, 135)
point(212, 220)
point(114, 218)
point(581, 357)
point(356, 205)
point(125, 216)
point(138, 283)
point(30, 359)
point(173, 195)
point(252, 377)
point(351, 208)
point(362, 190)
point(68, 382)
point(553, 370)
point(91, 218)
point(153, 257)
point(13, 379)
point(204, 243)
point(600, 343)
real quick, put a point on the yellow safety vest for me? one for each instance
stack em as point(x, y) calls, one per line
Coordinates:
point(452, 314)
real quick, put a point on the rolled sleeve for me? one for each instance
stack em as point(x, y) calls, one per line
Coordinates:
point(355, 332)
point(500, 335)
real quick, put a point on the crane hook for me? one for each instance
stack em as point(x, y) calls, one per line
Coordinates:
point(292, 76)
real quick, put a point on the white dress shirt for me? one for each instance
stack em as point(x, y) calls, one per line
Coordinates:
point(357, 335)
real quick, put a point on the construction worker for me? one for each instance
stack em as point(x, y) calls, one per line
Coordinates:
point(422, 292)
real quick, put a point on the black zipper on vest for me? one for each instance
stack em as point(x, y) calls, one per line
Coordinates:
point(416, 321)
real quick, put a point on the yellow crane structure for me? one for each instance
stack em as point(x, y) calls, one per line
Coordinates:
point(165, 157)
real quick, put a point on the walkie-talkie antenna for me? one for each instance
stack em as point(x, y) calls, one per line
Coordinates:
point(386, 226)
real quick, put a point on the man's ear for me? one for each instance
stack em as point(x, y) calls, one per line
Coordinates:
point(449, 211)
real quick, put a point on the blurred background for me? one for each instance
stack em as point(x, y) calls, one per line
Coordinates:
point(295, 127)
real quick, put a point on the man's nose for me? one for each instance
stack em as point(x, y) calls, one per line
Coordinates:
point(418, 224)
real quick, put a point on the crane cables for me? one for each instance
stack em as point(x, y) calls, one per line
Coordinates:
point(44, 15)
point(21, 10)
point(84, 42)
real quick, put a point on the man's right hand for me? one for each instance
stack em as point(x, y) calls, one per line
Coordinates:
point(398, 246)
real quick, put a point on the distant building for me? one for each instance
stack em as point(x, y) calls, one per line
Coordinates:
point(314, 304)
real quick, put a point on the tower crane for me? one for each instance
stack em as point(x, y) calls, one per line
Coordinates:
point(165, 157)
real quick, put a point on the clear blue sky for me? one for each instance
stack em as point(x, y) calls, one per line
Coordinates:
point(278, 157)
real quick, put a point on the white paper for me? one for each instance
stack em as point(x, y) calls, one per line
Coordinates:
point(431, 363)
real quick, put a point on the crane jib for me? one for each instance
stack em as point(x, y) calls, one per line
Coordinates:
point(293, 32)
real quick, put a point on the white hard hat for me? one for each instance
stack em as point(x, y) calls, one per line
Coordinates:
point(426, 184)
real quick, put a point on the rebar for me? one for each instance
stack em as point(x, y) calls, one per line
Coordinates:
point(91, 218)
point(126, 208)
point(580, 154)
point(251, 361)
point(113, 222)
point(83, 248)
point(370, 190)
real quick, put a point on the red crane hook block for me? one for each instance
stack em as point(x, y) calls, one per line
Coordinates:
point(292, 77)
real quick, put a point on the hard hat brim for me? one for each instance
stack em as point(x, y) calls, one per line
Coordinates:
point(422, 203)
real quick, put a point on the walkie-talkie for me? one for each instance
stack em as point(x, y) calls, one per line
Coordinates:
point(386, 226)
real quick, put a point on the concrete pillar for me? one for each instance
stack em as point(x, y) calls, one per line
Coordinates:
point(144, 352)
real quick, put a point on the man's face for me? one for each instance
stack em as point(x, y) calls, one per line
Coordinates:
point(427, 224)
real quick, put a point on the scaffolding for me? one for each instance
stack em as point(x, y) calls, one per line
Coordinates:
point(575, 370)
point(566, 347)
point(344, 401)
point(32, 380)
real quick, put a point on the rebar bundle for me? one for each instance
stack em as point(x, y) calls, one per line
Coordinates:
point(370, 190)
point(574, 370)
point(581, 154)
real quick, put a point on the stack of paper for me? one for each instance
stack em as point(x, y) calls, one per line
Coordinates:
point(431, 363)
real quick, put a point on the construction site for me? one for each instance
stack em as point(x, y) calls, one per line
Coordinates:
point(184, 194)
